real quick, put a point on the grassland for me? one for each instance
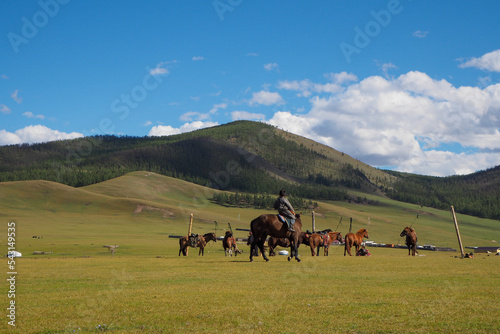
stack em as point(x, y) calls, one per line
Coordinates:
point(146, 288)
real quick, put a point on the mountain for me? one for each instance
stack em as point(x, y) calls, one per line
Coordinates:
point(248, 157)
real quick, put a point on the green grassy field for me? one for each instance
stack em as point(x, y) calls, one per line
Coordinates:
point(146, 288)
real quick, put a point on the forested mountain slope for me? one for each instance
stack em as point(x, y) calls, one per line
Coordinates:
point(248, 157)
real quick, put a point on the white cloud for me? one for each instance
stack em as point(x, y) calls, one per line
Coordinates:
point(403, 121)
point(216, 107)
point(266, 98)
point(4, 109)
point(193, 115)
point(4, 76)
point(420, 34)
point(306, 87)
point(196, 58)
point(341, 78)
point(270, 66)
point(16, 97)
point(35, 134)
point(29, 114)
point(167, 130)
point(489, 62)
point(160, 68)
point(239, 115)
point(147, 123)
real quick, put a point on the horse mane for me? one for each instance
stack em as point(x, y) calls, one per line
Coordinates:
point(361, 231)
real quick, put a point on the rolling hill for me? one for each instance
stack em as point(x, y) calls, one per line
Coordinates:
point(140, 209)
point(247, 157)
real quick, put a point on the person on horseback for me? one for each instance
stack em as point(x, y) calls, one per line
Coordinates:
point(285, 209)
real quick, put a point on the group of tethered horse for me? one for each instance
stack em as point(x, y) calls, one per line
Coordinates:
point(268, 225)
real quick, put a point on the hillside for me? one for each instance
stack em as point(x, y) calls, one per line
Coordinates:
point(248, 157)
point(139, 210)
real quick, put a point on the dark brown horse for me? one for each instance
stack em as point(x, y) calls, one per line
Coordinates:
point(269, 224)
point(352, 239)
point(411, 240)
point(273, 242)
point(229, 244)
point(184, 243)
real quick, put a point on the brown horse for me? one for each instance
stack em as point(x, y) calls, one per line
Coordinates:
point(273, 242)
point(332, 236)
point(229, 244)
point(352, 239)
point(184, 243)
point(411, 240)
point(269, 224)
point(317, 240)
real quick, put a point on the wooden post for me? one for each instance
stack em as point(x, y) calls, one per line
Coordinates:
point(350, 226)
point(189, 231)
point(313, 222)
point(458, 232)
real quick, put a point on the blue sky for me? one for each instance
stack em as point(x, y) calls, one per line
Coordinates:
point(406, 85)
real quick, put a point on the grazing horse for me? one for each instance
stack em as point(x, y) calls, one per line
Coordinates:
point(184, 243)
point(229, 244)
point(411, 240)
point(352, 239)
point(269, 224)
point(273, 242)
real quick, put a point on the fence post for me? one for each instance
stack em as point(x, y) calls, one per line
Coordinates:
point(458, 232)
point(189, 231)
point(313, 222)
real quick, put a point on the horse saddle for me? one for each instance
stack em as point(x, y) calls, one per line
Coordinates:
point(282, 219)
point(193, 240)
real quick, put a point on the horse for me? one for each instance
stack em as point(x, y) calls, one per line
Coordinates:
point(269, 224)
point(332, 236)
point(352, 239)
point(273, 242)
point(184, 243)
point(317, 240)
point(229, 244)
point(411, 240)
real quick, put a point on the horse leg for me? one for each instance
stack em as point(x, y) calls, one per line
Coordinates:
point(261, 247)
point(253, 248)
point(317, 251)
point(296, 250)
point(325, 253)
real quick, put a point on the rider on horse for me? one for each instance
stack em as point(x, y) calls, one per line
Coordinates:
point(285, 209)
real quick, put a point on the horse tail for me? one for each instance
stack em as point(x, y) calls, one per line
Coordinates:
point(254, 223)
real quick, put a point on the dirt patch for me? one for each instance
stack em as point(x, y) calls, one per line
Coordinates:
point(164, 212)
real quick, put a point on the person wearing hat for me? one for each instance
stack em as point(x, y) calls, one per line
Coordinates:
point(285, 209)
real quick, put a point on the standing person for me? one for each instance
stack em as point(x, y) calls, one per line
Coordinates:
point(285, 209)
